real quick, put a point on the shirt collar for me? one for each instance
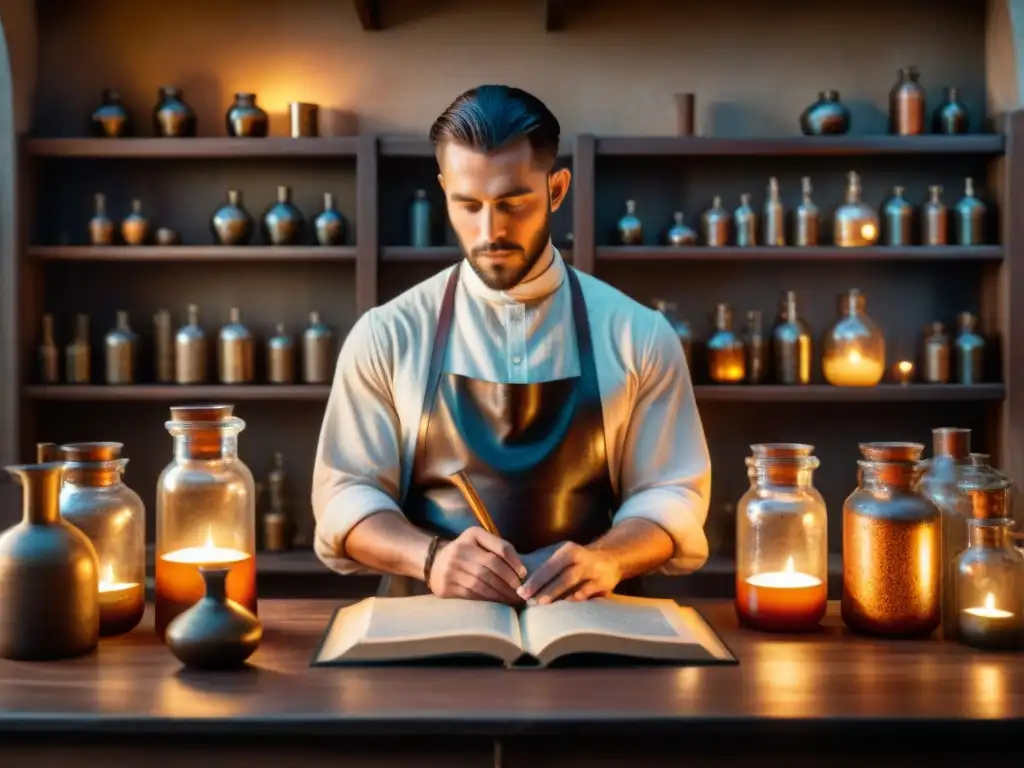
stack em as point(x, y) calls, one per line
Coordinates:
point(543, 279)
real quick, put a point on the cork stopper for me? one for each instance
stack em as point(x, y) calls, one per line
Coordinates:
point(197, 414)
point(91, 452)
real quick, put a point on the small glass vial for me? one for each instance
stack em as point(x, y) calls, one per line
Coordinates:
point(854, 349)
point(781, 541)
point(726, 360)
point(990, 581)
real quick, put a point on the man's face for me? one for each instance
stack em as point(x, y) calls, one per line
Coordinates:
point(500, 206)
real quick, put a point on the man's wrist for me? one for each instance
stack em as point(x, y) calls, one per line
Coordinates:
point(428, 561)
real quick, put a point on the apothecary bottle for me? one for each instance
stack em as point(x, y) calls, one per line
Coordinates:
point(49, 354)
point(119, 350)
point(681, 327)
point(110, 119)
point(808, 217)
point(101, 226)
point(745, 221)
point(716, 224)
point(317, 342)
point(936, 354)
point(280, 357)
point(205, 512)
point(899, 216)
point(970, 350)
point(190, 350)
point(96, 500)
point(236, 351)
point(630, 229)
point(907, 104)
point(856, 223)
point(781, 541)
point(853, 354)
point(951, 115)
point(172, 117)
point(726, 360)
point(892, 538)
point(330, 226)
point(755, 348)
point(970, 217)
point(990, 586)
point(679, 233)
point(419, 220)
point(935, 219)
point(791, 343)
point(78, 354)
point(245, 118)
point(774, 216)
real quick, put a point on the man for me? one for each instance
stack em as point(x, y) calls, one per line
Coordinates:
point(568, 404)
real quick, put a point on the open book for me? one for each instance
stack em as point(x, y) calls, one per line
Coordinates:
point(426, 627)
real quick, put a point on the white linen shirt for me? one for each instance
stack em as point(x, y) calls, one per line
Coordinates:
point(657, 453)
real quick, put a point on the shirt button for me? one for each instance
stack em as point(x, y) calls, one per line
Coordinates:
point(517, 359)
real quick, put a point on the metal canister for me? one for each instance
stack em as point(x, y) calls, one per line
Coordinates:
point(78, 353)
point(236, 352)
point(190, 350)
point(119, 350)
point(280, 357)
point(49, 354)
point(936, 354)
point(163, 347)
point(316, 351)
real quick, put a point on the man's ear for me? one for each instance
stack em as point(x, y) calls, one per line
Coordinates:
point(558, 186)
point(440, 180)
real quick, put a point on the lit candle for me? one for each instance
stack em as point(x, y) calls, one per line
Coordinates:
point(852, 370)
point(904, 371)
point(988, 627)
point(784, 601)
point(122, 603)
point(179, 585)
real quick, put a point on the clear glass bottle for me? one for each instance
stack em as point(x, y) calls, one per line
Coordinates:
point(726, 360)
point(892, 540)
point(856, 222)
point(781, 541)
point(95, 499)
point(853, 354)
point(205, 512)
point(990, 584)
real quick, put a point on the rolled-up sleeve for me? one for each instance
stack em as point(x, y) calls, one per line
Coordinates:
point(357, 469)
point(665, 474)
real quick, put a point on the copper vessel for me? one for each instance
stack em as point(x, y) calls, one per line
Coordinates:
point(907, 104)
point(716, 224)
point(935, 219)
point(891, 546)
point(681, 327)
point(330, 226)
point(935, 355)
point(304, 119)
point(280, 357)
point(899, 217)
point(317, 342)
point(96, 500)
point(951, 115)
point(856, 223)
point(745, 221)
point(808, 217)
point(791, 343)
point(283, 222)
point(630, 229)
point(78, 354)
point(190, 350)
point(110, 118)
point(231, 223)
point(163, 347)
point(237, 354)
point(244, 118)
point(49, 354)
point(726, 358)
point(825, 117)
point(774, 216)
point(679, 234)
point(49, 575)
point(216, 632)
point(970, 217)
point(101, 227)
point(135, 227)
point(755, 348)
point(119, 348)
point(172, 117)
point(970, 351)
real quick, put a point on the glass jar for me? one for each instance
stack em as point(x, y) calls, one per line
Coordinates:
point(95, 499)
point(205, 512)
point(990, 582)
point(891, 546)
point(853, 353)
point(781, 541)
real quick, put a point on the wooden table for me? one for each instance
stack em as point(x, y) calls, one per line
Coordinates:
point(791, 701)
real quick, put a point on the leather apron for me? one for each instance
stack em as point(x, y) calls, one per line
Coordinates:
point(536, 453)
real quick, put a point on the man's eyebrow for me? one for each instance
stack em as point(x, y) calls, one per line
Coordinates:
point(517, 192)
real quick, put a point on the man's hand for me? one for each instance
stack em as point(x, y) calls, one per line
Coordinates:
point(573, 572)
point(477, 566)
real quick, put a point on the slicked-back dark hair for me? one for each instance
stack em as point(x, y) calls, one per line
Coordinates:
point(488, 117)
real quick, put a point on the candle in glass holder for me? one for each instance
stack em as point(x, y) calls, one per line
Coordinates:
point(122, 603)
point(179, 585)
point(904, 372)
point(991, 628)
point(853, 370)
point(784, 601)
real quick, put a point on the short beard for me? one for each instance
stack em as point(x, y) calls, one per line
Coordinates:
point(502, 278)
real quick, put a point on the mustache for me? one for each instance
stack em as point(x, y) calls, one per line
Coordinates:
point(499, 245)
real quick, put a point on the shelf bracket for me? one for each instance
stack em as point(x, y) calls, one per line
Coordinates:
point(369, 14)
point(554, 15)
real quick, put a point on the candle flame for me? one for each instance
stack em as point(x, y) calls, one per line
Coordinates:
point(867, 231)
point(209, 538)
point(854, 356)
point(906, 366)
point(990, 601)
point(108, 574)
point(790, 566)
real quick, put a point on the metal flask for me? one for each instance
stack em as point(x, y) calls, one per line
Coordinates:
point(316, 351)
point(236, 352)
point(280, 357)
point(190, 350)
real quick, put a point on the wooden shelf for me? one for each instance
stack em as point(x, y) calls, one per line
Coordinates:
point(826, 393)
point(170, 392)
point(976, 144)
point(199, 147)
point(411, 253)
point(711, 393)
point(817, 253)
point(175, 253)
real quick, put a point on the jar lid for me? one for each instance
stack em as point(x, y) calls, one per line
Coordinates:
point(892, 451)
point(91, 452)
point(193, 414)
point(781, 450)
